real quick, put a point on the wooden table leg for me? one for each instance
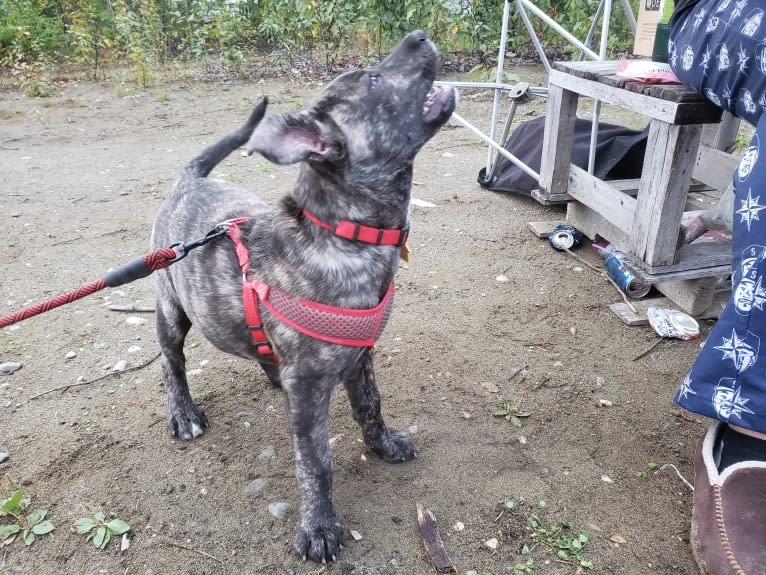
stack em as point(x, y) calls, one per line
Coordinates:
point(671, 152)
point(557, 146)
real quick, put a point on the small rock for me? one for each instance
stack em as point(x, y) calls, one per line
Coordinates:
point(4, 457)
point(256, 486)
point(471, 572)
point(465, 415)
point(396, 519)
point(203, 491)
point(70, 355)
point(607, 479)
point(121, 365)
point(100, 345)
point(501, 279)
point(356, 535)
point(10, 367)
point(522, 440)
point(134, 320)
point(412, 429)
point(492, 543)
point(204, 362)
point(267, 453)
point(458, 526)
point(125, 543)
point(604, 403)
point(195, 371)
point(134, 349)
point(278, 509)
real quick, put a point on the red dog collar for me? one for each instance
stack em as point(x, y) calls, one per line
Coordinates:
point(361, 233)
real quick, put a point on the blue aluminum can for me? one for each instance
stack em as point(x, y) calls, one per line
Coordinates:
point(565, 237)
point(624, 277)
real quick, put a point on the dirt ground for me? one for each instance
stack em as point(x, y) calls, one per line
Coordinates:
point(83, 173)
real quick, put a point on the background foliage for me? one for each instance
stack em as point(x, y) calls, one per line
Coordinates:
point(149, 33)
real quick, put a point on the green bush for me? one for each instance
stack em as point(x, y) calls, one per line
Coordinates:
point(146, 33)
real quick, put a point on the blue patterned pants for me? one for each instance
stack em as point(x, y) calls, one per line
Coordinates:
point(718, 48)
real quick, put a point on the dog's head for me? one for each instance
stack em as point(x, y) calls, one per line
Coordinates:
point(373, 119)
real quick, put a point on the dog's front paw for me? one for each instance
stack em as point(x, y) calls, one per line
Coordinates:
point(186, 422)
point(319, 539)
point(394, 447)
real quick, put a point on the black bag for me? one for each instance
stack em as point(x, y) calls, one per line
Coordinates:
point(619, 154)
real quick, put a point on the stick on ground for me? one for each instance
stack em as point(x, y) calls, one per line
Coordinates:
point(432, 541)
point(110, 374)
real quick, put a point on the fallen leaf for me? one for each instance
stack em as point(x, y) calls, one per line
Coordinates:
point(617, 539)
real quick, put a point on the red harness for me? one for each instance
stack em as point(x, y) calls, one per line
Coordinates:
point(342, 326)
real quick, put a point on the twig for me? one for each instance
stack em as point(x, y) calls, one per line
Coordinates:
point(65, 387)
point(188, 548)
point(674, 468)
point(649, 349)
point(432, 541)
point(129, 308)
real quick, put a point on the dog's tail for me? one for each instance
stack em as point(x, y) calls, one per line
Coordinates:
point(211, 156)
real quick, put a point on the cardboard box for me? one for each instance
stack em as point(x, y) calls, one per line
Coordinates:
point(646, 26)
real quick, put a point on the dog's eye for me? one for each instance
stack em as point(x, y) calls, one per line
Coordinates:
point(374, 81)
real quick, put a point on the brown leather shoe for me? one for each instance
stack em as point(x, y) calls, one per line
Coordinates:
point(728, 535)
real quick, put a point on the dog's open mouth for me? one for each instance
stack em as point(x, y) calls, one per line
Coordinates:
point(440, 100)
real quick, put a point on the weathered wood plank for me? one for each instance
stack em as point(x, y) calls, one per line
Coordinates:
point(615, 206)
point(714, 167)
point(668, 165)
point(722, 136)
point(606, 73)
point(557, 142)
point(592, 224)
point(695, 260)
point(670, 112)
point(692, 296)
point(542, 229)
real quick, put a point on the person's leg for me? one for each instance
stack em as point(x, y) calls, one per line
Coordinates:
point(715, 49)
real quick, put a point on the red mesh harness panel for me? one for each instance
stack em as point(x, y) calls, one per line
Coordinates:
point(342, 326)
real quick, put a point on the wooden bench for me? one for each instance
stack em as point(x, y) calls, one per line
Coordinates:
point(641, 217)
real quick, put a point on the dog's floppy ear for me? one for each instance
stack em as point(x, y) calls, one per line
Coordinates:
point(291, 138)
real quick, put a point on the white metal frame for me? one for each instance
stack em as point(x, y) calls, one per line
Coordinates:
point(604, 12)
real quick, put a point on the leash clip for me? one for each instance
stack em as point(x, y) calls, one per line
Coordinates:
point(182, 249)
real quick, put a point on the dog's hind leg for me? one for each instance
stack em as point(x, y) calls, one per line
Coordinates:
point(393, 446)
point(185, 419)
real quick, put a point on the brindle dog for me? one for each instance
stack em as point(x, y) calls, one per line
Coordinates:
point(357, 142)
